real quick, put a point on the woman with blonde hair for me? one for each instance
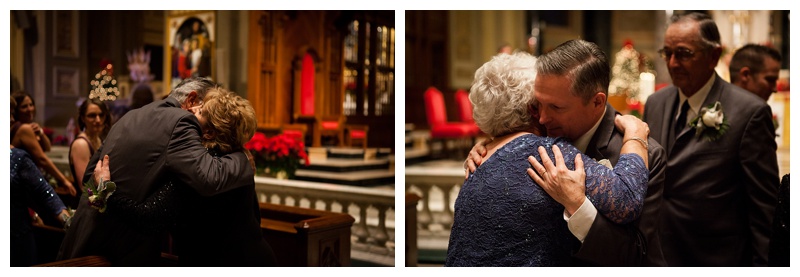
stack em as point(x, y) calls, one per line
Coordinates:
point(502, 217)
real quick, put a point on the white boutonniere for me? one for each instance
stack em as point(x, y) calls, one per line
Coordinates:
point(710, 123)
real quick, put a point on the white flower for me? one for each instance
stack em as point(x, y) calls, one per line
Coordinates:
point(92, 198)
point(710, 123)
point(713, 117)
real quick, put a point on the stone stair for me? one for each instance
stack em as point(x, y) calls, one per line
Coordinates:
point(349, 166)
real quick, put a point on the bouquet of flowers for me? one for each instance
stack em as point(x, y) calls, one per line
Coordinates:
point(278, 156)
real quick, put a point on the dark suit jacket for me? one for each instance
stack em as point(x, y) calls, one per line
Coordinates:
point(222, 230)
point(636, 243)
point(719, 196)
point(148, 147)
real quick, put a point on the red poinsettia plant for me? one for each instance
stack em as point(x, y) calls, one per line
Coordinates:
point(278, 156)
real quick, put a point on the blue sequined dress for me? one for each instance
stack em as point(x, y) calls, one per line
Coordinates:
point(28, 189)
point(503, 218)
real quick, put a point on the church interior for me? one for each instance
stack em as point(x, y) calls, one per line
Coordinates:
point(445, 48)
point(325, 79)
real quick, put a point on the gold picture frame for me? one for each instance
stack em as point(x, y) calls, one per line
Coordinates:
point(189, 46)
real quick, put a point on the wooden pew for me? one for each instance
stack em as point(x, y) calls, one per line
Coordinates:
point(306, 237)
point(79, 262)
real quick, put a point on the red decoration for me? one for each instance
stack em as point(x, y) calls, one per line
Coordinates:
point(281, 152)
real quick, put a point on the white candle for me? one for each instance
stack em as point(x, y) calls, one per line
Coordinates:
point(647, 85)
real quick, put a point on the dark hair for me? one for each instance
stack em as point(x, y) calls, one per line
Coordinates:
point(142, 95)
point(19, 96)
point(13, 107)
point(752, 56)
point(581, 61)
point(709, 33)
point(103, 108)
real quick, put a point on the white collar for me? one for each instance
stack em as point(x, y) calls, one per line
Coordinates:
point(696, 101)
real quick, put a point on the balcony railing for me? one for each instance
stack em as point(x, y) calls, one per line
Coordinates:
point(438, 187)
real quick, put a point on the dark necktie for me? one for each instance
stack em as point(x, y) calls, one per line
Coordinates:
point(681, 122)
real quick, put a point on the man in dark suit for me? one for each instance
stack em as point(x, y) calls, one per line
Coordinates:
point(571, 90)
point(720, 187)
point(153, 145)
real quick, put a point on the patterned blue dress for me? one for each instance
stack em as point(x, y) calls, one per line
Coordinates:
point(503, 218)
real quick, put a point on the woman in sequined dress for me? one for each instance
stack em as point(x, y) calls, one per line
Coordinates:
point(29, 189)
point(223, 230)
point(502, 217)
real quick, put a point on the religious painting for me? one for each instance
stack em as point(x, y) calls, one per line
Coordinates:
point(190, 39)
point(65, 34)
point(65, 81)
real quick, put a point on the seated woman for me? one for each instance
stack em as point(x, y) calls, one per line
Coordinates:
point(222, 230)
point(29, 136)
point(502, 217)
point(94, 119)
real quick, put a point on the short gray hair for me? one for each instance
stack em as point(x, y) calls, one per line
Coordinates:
point(200, 85)
point(709, 33)
point(502, 94)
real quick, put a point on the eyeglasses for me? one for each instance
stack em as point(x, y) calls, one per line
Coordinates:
point(681, 54)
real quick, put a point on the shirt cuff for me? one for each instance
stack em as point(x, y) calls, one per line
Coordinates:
point(580, 222)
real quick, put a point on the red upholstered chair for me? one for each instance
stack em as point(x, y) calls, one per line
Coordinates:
point(329, 126)
point(441, 129)
point(437, 118)
point(464, 106)
point(357, 134)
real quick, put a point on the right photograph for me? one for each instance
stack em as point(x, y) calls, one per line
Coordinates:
point(597, 138)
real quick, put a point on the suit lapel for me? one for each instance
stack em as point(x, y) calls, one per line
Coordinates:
point(602, 136)
point(669, 111)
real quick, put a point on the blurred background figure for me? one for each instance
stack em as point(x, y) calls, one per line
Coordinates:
point(94, 121)
point(756, 68)
point(29, 136)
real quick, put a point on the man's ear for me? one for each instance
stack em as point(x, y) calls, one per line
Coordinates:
point(191, 101)
point(599, 99)
point(744, 75)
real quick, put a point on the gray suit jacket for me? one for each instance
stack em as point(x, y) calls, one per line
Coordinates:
point(719, 196)
point(636, 243)
point(149, 147)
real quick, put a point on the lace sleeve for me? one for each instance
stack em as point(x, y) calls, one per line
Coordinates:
point(156, 214)
point(618, 194)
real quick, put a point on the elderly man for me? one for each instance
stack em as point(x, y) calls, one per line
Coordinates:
point(722, 173)
point(570, 93)
point(755, 68)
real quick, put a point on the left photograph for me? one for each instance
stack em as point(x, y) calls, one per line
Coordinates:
point(202, 138)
